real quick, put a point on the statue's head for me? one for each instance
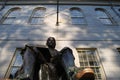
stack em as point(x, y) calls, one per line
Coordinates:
point(51, 43)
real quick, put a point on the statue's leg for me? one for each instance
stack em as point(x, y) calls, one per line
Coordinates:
point(47, 72)
point(52, 71)
point(43, 73)
point(36, 70)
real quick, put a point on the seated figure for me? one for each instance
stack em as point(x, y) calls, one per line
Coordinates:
point(59, 64)
point(63, 62)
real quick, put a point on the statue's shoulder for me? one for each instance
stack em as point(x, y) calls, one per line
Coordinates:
point(36, 46)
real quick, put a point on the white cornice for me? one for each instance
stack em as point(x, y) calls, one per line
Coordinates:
point(36, 2)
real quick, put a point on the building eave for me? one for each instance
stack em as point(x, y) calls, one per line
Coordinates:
point(61, 2)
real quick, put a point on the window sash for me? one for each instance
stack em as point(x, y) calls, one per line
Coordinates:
point(78, 20)
point(9, 20)
point(18, 59)
point(88, 58)
point(102, 14)
point(14, 13)
point(39, 13)
point(14, 70)
point(104, 17)
point(37, 20)
point(10, 16)
point(16, 63)
point(37, 17)
point(106, 20)
point(76, 13)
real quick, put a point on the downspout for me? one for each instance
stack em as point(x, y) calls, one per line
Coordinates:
point(112, 7)
point(57, 22)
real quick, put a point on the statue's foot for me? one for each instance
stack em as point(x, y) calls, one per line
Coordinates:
point(86, 74)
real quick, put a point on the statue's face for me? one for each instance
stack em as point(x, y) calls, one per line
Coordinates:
point(51, 43)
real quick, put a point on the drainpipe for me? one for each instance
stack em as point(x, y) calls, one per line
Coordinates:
point(57, 22)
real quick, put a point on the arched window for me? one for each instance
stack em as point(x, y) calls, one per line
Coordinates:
point(15, 64)
point(104, 16)
point(77, 16)
point(37, 16)
point(10, 16)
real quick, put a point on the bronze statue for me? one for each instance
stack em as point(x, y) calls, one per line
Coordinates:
point(53, 64)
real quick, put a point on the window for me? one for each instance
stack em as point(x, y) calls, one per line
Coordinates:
point(10, 16)
point(15, 64)
point(104, 16)
point(88, 58)
point(77, 16)
point(37, 16)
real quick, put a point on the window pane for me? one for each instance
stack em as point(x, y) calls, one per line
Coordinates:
point(78, 20)
point(37, 20)
point(38, 16)
point(9, 20)
point(39, 13)
point(11, 15)
point(14, 13)
point(76, 13)
point(18, 61)
point(77, 16)
point(16, 64)
point(88, 58)
point(106, 21)
point(13, 71)
point(101, 14)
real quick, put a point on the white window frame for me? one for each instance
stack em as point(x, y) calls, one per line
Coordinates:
point(12, 63)
point(6, 17)
point(35, 17)
point(78, 17)
point(89, 57)
point(108, 17)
